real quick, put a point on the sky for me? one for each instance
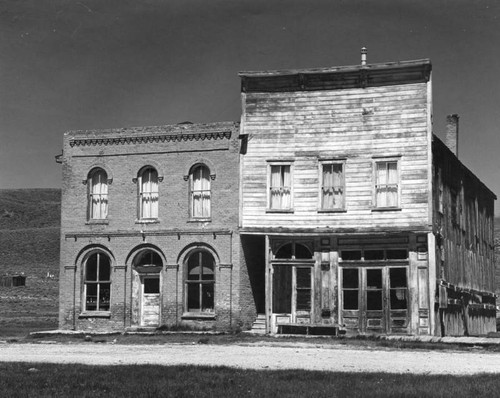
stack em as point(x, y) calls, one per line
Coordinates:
point(93, 64)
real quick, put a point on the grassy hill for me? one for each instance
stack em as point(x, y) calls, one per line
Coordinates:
point(29, 245)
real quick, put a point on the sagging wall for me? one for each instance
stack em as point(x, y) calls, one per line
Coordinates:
point(463, 214)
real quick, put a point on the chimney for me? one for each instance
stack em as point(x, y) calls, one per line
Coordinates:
point(452, 133)
point(364, 51)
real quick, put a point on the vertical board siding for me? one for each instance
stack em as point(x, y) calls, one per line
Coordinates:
point(352, 124)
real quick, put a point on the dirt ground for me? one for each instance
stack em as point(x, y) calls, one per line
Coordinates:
point(260, 356)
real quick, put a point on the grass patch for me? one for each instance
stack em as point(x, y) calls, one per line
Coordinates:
point(49, 380)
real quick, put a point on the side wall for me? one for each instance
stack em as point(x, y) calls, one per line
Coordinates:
point(463, 214)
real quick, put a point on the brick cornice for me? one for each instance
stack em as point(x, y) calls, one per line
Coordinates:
point(153, 138)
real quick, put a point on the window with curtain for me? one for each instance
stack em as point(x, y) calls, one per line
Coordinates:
point(200, 282)
point(97, 282)
point(280, 189)
point(386, 184)
point(200, 192)
point(332, 186)
point(148, 193)
point(98, 195)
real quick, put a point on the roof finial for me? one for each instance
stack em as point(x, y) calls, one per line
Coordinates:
point(364, 51)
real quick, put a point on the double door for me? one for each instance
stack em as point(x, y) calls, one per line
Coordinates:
point(374, 299)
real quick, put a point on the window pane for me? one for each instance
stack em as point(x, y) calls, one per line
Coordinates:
point(280, 189)
point(398, 277)
point(374, 300)
point(207, 297)
point(104, 295)
point(200, 192)
point(284, 251)
point(398, 254)
point(151, 285)
point(104, 267)
point(374, 254)
point(398, 299)
point(374, 278)
point(193, 296)
point(350, 300)
point(351, 255)
point(304, 300)
point(350, 278)
point(302, 252)
point(148, 258)
point(91, 268)
point(282, 289)
point(91, 299)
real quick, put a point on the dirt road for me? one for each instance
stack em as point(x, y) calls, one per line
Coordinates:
point(259, 356)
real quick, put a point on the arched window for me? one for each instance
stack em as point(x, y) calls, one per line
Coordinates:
point(148, 258)
point(97, 282)
point(200, 192)
point(200, 282)
point(148, 193)
point(295, 251)
point(98, 194)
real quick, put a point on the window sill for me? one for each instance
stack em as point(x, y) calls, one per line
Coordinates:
point(279, 210)
point(198, 315)
point(95, 314)
point(148, 221)
point(332, 211)
point(97, 222)
point(387, 209)
point(193, 220)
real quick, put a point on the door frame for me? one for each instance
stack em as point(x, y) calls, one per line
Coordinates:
point(142, 277)
point(388, 315)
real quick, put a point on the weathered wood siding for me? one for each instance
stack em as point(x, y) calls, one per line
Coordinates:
point(354, 124)
point(463, 214)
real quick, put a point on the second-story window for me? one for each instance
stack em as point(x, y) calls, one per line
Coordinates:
point(332, 186)
point(148, 193)
point(200, 192)
point(280, 187)
point(98, 194)
point(386, 184)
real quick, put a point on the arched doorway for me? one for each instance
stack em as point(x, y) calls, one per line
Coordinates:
point(146, 290)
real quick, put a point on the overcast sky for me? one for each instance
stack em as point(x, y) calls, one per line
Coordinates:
point(67, 65)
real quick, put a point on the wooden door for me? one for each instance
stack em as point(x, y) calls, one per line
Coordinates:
point(363, 307)
point(292, 293)
point(398, 300)
point(150, 300)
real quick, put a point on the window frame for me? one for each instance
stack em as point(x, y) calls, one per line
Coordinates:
point(141, 192)
point(192, 215)
point(199, 282)
point(91, 194)
point(269, 186)
point(85, 283)
point(389, 159)
point(321, 206)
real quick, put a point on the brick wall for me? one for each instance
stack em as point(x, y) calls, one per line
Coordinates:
point(173, 236)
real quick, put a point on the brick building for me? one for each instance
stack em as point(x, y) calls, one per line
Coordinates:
point(332, 205)
point(149, 231)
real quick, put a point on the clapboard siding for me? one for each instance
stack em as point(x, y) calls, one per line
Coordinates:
point(354, 125)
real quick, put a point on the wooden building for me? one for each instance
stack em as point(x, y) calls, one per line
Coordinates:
point(358, 217)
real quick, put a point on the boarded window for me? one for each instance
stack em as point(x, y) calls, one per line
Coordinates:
point(386, 184)
point(280, 187)
point(152, 285)
point(200, 192)
point(332, 186)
